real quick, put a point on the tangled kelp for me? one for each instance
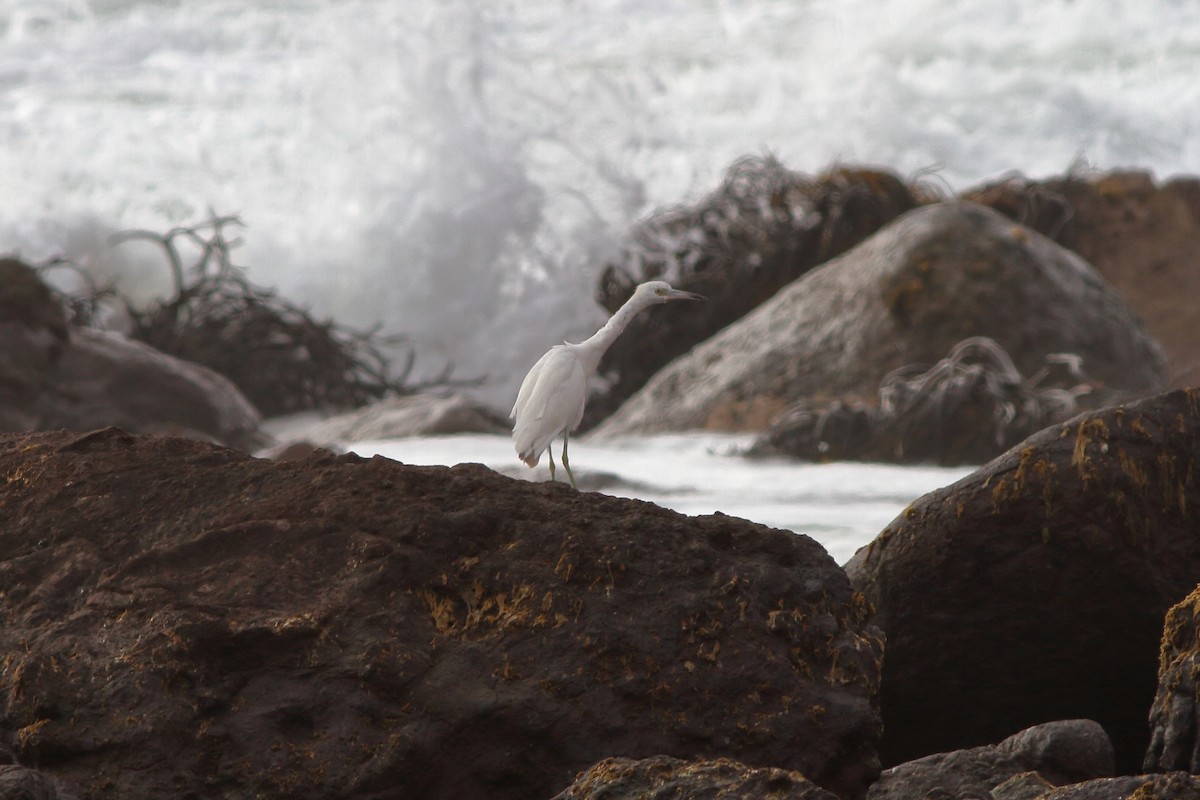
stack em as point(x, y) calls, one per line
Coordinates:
point(762, 228)
point(967, 408)
point(281, 357)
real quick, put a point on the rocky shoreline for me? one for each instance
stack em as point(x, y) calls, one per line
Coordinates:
point(182, 619)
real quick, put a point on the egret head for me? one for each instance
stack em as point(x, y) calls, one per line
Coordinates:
point(661, 292)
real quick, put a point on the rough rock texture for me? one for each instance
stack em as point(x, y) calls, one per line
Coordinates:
point(53, 376)
point(181, 620)
point(1023, 786)
point(663, 778)
point(1174, 786)
point(1034, 589)
point(760, 230)
point(1174, 737)
point(1059, 752)
point(410, 415)
point(905, 296)
point(1142, 236)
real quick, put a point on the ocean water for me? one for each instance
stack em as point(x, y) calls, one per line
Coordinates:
point(458, 170)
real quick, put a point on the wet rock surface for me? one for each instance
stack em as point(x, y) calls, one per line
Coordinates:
point(1034, 589)
point(183, 620)
point(935, 276)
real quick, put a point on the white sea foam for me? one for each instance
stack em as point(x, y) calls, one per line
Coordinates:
point(458, 170)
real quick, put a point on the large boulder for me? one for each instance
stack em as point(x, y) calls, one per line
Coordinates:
point(180, 619)
point(56, 376)
point(934, 277)
point(1034, 589)
point(1143, 236)
point(762, 228)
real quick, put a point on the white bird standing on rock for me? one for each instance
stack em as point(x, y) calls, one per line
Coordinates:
point(554, 393)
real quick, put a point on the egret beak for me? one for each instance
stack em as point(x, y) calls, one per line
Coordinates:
point(679, 294)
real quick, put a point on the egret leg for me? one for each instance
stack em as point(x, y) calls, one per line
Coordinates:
point(566, 462)
point(550, 453)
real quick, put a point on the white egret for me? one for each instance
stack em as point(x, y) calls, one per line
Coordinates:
point(553, 394)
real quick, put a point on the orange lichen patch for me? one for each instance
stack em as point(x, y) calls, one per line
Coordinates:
point(477, 608)
point(1092, 432)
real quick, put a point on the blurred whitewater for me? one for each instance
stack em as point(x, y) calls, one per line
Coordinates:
point(459, 171)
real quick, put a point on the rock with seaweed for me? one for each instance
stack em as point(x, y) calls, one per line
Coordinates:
point(1034, 589)
point(665, 778)
point(283, 359)
point(760, 230)
point(939, 274)
point(968, 408)
point(1142, 235)
point(1059, 753)
point(53, 375)
point(1174, 722)
point(179, 619)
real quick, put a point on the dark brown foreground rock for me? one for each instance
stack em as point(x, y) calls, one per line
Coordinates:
point(184, 621)
point(1174, 737)
point(53, 376)
point(1034, 589)
point(934, 277)
point(1143, 236)
point(1063, 752)
point(663, 778)
point(761, 229)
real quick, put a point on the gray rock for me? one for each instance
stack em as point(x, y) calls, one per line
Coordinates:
point(1060, 752)
point(937, 275)
point(97, 379)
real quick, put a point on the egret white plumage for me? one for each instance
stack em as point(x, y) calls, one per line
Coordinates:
point(553, 395)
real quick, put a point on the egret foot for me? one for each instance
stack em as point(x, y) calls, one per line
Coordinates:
point(550, 453)
point(567, 463)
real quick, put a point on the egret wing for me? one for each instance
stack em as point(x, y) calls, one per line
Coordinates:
point(551, 400)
